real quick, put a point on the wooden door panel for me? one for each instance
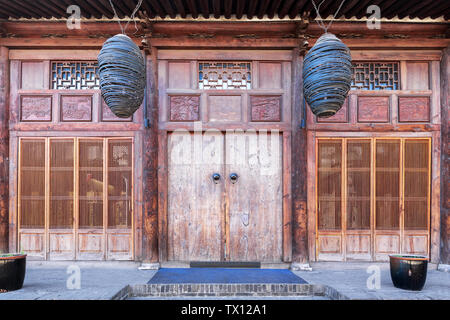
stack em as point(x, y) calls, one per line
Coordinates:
point(358, 246)
point(194, 200)
point(33, 243)
point(386, 244)
point(61, 245)
point(119, 245)
point(255, 200)
point(415, 243)
point(90, 245)
point(330, 247)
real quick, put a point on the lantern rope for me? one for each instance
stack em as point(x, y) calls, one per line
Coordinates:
point(320, 22)
point(132, 16)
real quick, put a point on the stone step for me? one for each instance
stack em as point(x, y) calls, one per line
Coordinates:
point(227, 289)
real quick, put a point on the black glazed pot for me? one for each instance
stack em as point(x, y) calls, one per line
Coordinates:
point(408, 272)
point(12, 271)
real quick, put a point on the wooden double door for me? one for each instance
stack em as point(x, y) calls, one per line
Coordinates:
point(225, 196)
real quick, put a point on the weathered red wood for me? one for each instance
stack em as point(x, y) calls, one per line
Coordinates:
point(4, 149)
point(299, 166)
point(36, 108)
point(150, 168)
point(445, 158)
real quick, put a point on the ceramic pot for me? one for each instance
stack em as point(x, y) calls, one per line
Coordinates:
point(12, 271)
point(408, 272)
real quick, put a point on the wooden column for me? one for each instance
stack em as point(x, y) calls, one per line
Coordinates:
point(445, 157)
point(150, 167)
point(299, 183)
point(4, 148)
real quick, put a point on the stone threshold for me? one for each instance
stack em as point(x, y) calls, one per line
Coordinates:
point(227, 289)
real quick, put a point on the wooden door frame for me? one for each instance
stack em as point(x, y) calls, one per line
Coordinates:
point(285, 129)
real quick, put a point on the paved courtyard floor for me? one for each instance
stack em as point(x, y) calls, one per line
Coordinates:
point(48, 281)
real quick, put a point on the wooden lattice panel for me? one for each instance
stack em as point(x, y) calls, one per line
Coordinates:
point(75, 75)
point(224, 75)
point(375, 76)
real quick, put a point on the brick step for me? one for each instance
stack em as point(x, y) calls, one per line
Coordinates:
point(227, 289)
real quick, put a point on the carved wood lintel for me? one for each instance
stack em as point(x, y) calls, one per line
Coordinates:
point(300, 31)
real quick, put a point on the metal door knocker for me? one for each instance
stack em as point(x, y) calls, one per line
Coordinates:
point(216, 178)
point(233, 177)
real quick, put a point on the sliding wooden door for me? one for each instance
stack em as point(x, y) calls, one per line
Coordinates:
point(75, 198)
point(372, 197)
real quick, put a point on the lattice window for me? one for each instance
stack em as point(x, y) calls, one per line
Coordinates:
point(375, 76)
point(224, 75)
point(75, 75)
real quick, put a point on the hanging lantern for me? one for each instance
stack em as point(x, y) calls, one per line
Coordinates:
point(122, 75)
point(327, 75)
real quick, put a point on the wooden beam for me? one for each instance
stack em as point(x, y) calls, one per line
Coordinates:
point(445, 158)
point(4, 150)
point(150, 215)
point(299, 167)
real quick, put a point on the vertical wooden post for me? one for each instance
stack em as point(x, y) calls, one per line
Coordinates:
point(299, 183)
point(4, 149)
point(445, 157)
point(150, 167)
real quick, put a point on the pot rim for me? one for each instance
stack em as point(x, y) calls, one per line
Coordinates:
point(413, 257)
point(14, 256)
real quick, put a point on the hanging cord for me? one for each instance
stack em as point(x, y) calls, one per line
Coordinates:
point(132, 16)
point(320, 21)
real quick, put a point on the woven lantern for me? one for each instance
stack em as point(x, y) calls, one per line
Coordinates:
point(327, 75)
point(122, 75)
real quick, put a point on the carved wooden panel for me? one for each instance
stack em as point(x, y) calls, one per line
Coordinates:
point(36, 108)
point(74, 75)
point(414, 109)
point(33, 75)
point(184, 108)
point(341, 116)
point(224, 75)
point(373, 109)
point(107, 114)
point(76, 108)
point(269, 75)
point(224, 108)
point(375, 76)
point(265, 108)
